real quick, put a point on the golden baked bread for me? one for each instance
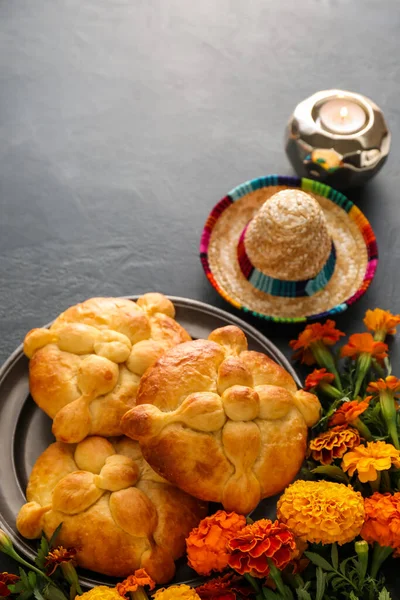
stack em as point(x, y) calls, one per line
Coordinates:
point(114, 509)
point(221, 422)
point(85, 370)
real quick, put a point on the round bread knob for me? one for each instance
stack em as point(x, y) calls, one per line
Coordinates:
point(97, 376)
point(91, 454)
point(241, 403)
point(77, 338)
point(153, 303)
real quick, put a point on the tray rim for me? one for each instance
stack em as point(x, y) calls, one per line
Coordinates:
point(179, 302)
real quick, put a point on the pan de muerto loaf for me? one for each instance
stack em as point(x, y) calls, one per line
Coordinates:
point(222, 423)
point(85, 370)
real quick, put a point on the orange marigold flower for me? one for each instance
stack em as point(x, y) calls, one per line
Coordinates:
point(349, 412)
point(382, 520)
point(133, 582)
point(255, 544)
point(316, 332)
point(206, 544)
point(57, 556)
point(321, 511)
point(7, 579)
point(333, 444)
point(379, 320)
point(228, 587)
point(315, 378)
point(368, 460)
point(364, 343)
point(391, 383)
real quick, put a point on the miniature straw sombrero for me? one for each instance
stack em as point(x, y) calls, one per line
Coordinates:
point(288, 249)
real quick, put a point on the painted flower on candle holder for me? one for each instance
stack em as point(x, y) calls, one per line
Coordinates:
point(381, 321)
point(207, 543)
point(333, 444)
point(325, 333)
point(257, 544)
point(349, 412)
point(321, 511)
point(369, 460)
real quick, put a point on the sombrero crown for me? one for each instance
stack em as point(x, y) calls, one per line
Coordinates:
point(286, 250)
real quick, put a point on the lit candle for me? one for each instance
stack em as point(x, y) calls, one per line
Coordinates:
point(342, 116)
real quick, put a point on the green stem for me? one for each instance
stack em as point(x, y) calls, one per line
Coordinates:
point(385, 482)
point(277, 577)
point(140, 594)
point(362, 428)
point(23, 562)
point(252, 582)
point(324, 358)
point(380, 335)
point(377, 367)
point(362, 368)
point(330, 390)
point(381, 553)
point(389, 413)
point(362, 550)
point(375, 485)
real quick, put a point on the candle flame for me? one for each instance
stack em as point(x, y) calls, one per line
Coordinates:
point(343, 112)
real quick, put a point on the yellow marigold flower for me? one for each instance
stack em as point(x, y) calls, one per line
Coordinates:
point(381, 322)
point(177, 592)
point(100, 592)
point(368, 460)
point(334, 443)
point(321, 511)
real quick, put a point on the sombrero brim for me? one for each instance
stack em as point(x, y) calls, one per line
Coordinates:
point(354, 239)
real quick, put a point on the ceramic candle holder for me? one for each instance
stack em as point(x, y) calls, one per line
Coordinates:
point(338, 137)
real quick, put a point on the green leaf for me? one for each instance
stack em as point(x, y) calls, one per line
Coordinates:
point(288, 593)
point(32, 579)
point(384, 595)
point(54, 537)
point(331, 471)
point(343, 565)
point(321, 578)
point(269, 594)
point(42, 552)
point(24, 579)
point(303, 595)
point(353, 596)
point(319, 561)
point(25, 595)
point(37, 594)
point(335, 556)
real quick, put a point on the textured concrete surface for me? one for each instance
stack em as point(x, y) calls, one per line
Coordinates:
point(123, 122)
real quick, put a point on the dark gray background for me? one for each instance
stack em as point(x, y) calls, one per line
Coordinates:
point(122, 122)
